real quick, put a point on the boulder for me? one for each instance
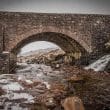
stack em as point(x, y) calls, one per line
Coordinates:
point(73, 103)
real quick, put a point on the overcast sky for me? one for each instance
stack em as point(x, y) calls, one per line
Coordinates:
point(36, 46)
point(57, 6)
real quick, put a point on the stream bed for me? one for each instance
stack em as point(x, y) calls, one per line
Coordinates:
point(40, 87)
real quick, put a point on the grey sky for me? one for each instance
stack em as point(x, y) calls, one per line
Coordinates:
point(57, 6)
point(36, 46)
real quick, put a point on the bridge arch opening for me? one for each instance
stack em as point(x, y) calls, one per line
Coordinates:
point(67, 44)
point(39, 52)
point(36, 46)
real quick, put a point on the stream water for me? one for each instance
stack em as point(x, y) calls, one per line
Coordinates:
point(30, 83)
point(100, 64)
point(37, 83)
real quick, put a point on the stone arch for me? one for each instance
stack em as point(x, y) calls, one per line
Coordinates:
point(65, 39)
point(72, 37)
point(66, 43)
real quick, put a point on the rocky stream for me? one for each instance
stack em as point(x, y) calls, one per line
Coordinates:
point(41, 87)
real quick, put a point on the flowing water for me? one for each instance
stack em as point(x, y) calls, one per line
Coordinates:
point(35, 83)
point(100, 64)
point(28, 84)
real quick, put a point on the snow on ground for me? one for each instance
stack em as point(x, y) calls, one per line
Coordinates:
point(22, 78)
point(17, 96)
point(27, 96)
point(25, 69)
point(13, 89)
point(29, 81)
point(13, 86)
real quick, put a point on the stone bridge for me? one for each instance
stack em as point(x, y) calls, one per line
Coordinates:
point(74, 33)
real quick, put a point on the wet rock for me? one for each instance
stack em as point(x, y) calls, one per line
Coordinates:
point(107, 68)
point(50, 103)
point(1, 91)
point(57, 88)
point(73, 103)
point(38, 106)
point(1, 107)
point(47, 99)
point(75, 79)
point(92, 87)
point(29, 84)
point(106, 108)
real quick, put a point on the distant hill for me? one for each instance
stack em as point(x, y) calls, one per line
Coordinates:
point(38, 52)
point(47, 53)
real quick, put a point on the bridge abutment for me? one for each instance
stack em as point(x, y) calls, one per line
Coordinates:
point(12, 64)
point(4, 62)
point(7, 62)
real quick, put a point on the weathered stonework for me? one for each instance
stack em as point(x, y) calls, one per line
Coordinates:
point(89, 31)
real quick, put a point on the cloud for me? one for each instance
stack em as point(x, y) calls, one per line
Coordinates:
point(57, 6)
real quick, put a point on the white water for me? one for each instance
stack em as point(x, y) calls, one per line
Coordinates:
point(100, 64)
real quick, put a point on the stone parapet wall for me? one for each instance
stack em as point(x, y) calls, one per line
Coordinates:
point(90, 31)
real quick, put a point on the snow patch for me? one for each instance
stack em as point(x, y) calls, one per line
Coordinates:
point(29, 97)
point(13, 86)
point(29, 81)
point(22, 78)
point(17, 96)
point(47, 85)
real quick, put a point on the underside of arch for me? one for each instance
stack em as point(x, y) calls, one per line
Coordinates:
point(66, 43)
